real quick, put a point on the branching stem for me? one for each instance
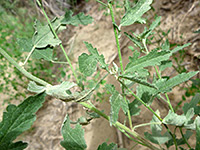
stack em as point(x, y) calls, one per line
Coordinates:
point(56, 36)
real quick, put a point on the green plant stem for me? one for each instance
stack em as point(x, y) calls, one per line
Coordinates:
point(145, 124)
point(61, 46)
point(101, 3)
point(168, 101)
point(42, 82)
point(116, 36)
point(184, 138)
point(22, 70)
point(118, 124)
point(120, 55)
point(29, 55)
point(140, 100)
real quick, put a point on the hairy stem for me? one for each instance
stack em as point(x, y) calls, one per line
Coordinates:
point(56, 36)
point(123, 127)
point(22, 70)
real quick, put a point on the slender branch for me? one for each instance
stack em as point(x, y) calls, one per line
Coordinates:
point(29, 55)
point(22, 70)
point(101, 3)
point(184, 138)
point(61, 46)
point(123, 127)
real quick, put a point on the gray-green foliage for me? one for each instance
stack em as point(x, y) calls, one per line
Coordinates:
point(134, 80)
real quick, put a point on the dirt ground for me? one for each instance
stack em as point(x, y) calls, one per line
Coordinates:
point(181, 16)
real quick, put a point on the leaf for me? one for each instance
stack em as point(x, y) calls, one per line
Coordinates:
point(165, 64)
point(33, 87)
point(165, 86)
point(179, 120)
point(43, 35)
point(138, 80)
point(178, 48)
point(134, 14)
point(73, 138)
point(192, 104)
point(152, 59)
point(77, 19)
point(26, 45)
point(59, 91)
point(197, 133)
point(95, 54)
point(18, 119)
point(104, 146)
point(156, 128)
point(87, 64)
point(116, 101)
point(136, 41)
point(133, 108)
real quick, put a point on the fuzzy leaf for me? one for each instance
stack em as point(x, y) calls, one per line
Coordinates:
point(138, 80)
point(43, 36)
point(116, 101)
point(192, 104)
point(18, 119)
point(153, 58)
point(179, 120)
point(136, 41)
point(73, 138)
point(33, 87)
point(95, 54)
point(59, 91)
point(77, 19)
point(165, 64)
point(133, 108)
point(134, 14)
point(165, 86)
point(156, 128)
point(87, 64)
point(178, 48)
point(104, 146)
point(197, 133)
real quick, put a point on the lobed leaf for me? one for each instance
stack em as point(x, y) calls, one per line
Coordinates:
point(192, 104)
point(116, 102)
point(156, 128)
point(73, 138)
point(178, 48)
point(104, 146)
point(164, 86)
point(77, 19)
point(134, 108)
point(134, 14)
point(18, 119)
point(152, 59)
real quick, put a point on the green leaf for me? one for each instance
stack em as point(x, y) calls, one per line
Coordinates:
point(178, 48)
point(192, 104)
point(18, 119)
point(134, 108)
point(179, 120)
point(136, 41)
point(134, 14)
point(165, 64)
point(95, 54)
point(116, 101)
point(138, 80)
point(59, 91)
point(152, 59)
point(165, 86)
point(26, 45)
point(87, 64)
point(197, 133)
point(198, 31)
point(77, 19)
point(73, 138)
point(104, 146)
point(33, 87)
point(156, 128)
point(43, 35)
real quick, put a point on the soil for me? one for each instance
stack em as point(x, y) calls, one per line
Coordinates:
point(182, 17)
